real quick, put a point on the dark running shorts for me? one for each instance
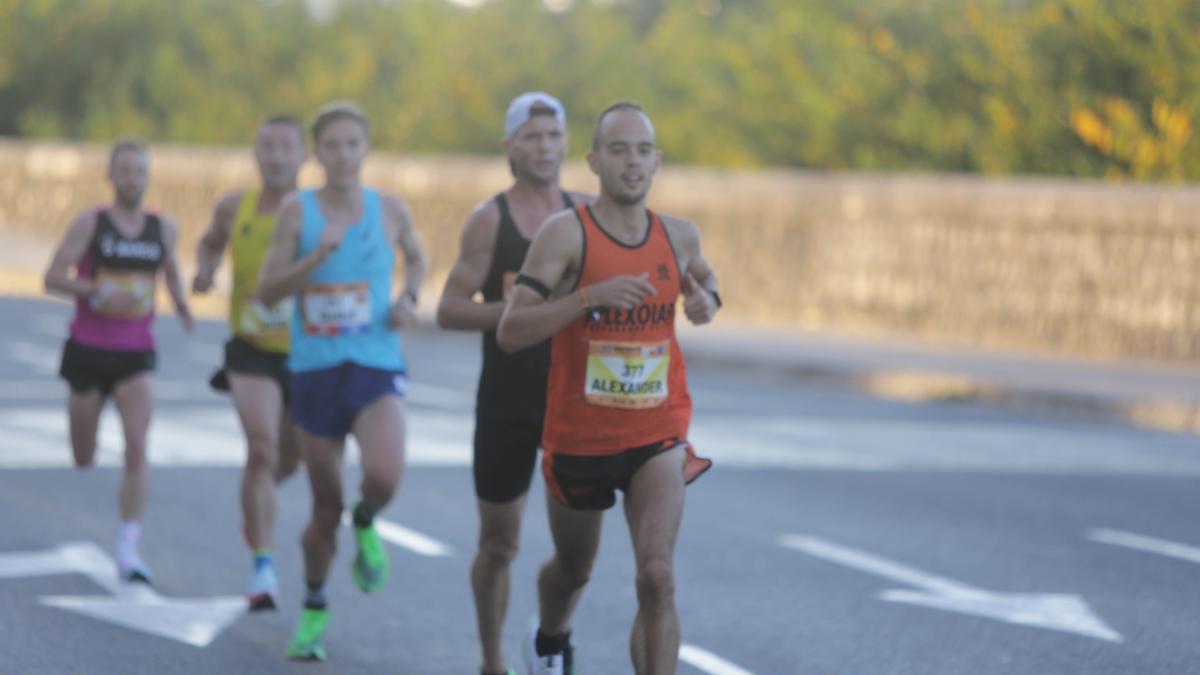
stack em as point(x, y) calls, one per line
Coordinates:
point(244, 358)
point(591, 483)
point(86, 368)
point(505, 453)
point(326, 401)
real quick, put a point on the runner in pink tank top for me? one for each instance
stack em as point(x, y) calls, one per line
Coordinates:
point(117, 253)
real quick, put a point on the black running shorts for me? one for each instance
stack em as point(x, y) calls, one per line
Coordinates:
point(86, 368)
point(505, 454)
point(244, 358)
point(591, 482)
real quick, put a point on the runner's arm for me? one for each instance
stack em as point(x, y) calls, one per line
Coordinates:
point(416, 261)
point(58, 279)
point(282, 275)
point(530, 318)
point(171, 273)
point(212, 244)
point(699, 284)
point(458, 309)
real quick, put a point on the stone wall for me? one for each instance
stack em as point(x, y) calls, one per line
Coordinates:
point(1049, 265)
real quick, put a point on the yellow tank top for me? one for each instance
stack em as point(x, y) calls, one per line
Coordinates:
point(266, 327)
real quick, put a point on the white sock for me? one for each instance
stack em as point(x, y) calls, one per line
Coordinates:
point(131, 533)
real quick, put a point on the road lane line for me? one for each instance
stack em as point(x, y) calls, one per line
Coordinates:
point(708, 662)
point(406, 538)
point(1141, 542)
point(39, 357)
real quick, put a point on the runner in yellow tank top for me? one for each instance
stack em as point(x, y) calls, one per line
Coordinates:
point(255, 371)
point(263, 327)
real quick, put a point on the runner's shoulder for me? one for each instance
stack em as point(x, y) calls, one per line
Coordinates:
point(581, 198)
point(483, 219)
point(681, 230)
point(84, 223)
point(229, 202)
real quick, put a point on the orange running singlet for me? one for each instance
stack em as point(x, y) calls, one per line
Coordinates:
point(617, 378)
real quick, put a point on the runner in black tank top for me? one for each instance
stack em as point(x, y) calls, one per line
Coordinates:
point(110, 261)
point(511, 386)
point(511, 399)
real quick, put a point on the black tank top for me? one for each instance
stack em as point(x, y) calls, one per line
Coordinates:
point(112, 250)
point(511, 385)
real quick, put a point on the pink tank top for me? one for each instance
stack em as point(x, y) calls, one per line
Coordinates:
point(123, 265)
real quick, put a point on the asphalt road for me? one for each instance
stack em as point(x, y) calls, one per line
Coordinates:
point(837, 534)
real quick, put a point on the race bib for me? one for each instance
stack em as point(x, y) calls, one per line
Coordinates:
point(265, 321)
point(123, 294)
point(336, 309)
point(507, 281)
point(627, 374)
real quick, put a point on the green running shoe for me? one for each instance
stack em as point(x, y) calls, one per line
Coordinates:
point(307, 644)
point(371, 565)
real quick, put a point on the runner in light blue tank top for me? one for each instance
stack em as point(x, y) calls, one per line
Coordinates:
point(344, 306)
point(334, 251)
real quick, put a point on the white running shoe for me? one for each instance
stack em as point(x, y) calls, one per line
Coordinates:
point(263, 589)
point(130, 565)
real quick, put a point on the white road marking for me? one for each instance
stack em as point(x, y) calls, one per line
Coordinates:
point(206, 354)
point(708, 662)
point(195, 621)
point(52, 389)
point(51, 326)
point(205, 432)
point(1141, 542)
point(40, 357)
point(1062, 612)
point(406, 538)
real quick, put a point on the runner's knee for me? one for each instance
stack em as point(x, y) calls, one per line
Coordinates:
point(84, 454)
point(327, 512)
point(379, 486)
point(286, 466)
point(135, 455)
point(497, 551)
point(576, 570)
point(655, 581)
point(260, 451)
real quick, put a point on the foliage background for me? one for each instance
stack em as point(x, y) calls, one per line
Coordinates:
point(1107, 88)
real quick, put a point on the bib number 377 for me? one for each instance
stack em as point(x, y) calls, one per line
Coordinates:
point(627, 374)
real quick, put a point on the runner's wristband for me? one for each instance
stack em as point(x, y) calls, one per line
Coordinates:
point(534, 285)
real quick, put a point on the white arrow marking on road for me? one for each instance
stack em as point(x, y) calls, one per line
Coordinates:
point(1067, 613)
point(708, 662)
point(409, 539)
point(195, 621)
point(1143, 543)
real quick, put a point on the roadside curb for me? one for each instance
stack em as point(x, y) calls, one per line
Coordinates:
point(948, 387)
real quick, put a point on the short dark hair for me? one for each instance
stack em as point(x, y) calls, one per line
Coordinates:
point(614, 107)
point(127, 143)
point(337, 110)
point(284, 120)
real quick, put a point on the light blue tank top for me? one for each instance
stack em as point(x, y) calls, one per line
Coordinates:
point(342, 312)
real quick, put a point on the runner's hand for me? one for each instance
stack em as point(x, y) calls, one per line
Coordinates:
point(698, 304)
point(623, 292)
point(330, 240)
point(185, 320)
point(202, 283)
point(403, 314)
point(119, 302)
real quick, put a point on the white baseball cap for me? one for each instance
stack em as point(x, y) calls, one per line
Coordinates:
point(521, 110)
